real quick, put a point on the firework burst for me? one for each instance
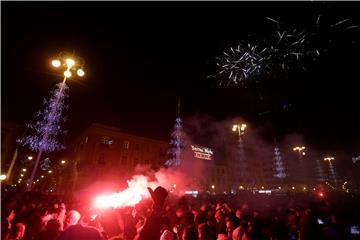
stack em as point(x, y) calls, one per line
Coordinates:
point(242, 63)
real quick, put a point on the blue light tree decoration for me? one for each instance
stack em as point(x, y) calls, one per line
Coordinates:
point(279, 165)
point(46, 129)
point(320, 174)
point(333, 177)
point(45, 164)
point(176, 142)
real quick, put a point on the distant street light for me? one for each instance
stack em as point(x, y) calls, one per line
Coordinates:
point(300, 150)
point(2, 177)
point(332, 171)
point(63, 161)
point(240, 167)
point(30, 157)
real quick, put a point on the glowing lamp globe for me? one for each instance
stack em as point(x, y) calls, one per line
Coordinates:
point(56, 63)
point(80, 72)
point(67, 74)
point(70, 62)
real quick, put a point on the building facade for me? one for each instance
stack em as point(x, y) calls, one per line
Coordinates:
point(107, 154)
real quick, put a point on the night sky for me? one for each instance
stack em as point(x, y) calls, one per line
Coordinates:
point(141, 56)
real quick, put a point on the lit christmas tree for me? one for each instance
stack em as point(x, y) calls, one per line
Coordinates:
point(176, 143)
point(47, 127)
point(334, 178)
point(320, 175)
point(279, 165)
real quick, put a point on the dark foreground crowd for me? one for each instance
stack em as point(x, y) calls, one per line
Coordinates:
point(33, 216)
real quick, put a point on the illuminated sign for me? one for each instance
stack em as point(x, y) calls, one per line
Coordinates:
point(202, 152)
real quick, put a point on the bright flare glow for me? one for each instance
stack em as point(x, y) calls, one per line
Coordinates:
point(24, 169)
point(30, 157)
point(49, 171)
point(70, 62)
point(329, 158)
point(80, 72)
point(174, 185)
point(42, 176)
point(2, 177)
point(297, 148)
point(321, 194)
point(213, 186)
point(21, 175)
point(136, 191)
point(292, 188)
point(63, 161)
point(234, 128)
point(279, 187)
point(67, 74)
point(56, 63)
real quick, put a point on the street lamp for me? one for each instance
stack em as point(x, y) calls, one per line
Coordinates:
point(300, 150)
point(71, 64)
point(239, 128)
point(63, 161)
point(329, 159)
point(331, 169)
point(240, 168)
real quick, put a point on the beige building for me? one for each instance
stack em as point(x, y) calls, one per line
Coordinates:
point(107, 154)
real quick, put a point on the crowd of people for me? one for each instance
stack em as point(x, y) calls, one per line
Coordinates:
point(35, 216)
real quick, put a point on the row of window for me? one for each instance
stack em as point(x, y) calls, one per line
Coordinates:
point(125, 144)
point(125, 161)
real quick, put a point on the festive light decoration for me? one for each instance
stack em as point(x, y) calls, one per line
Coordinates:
point(45, 165)
point(47, 127)
point(333, 177)
point(176, 143)
point(320, 175)
point(48, 124)
point(279, 165)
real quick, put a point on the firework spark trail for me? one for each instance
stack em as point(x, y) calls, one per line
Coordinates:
point(287, 48)
point(241, 63)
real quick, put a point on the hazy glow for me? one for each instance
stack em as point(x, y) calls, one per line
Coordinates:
point(56, 63)
point(80, 72)
point(70, 62)
point(136, 191)
point(67, 74)
point(2, 177)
